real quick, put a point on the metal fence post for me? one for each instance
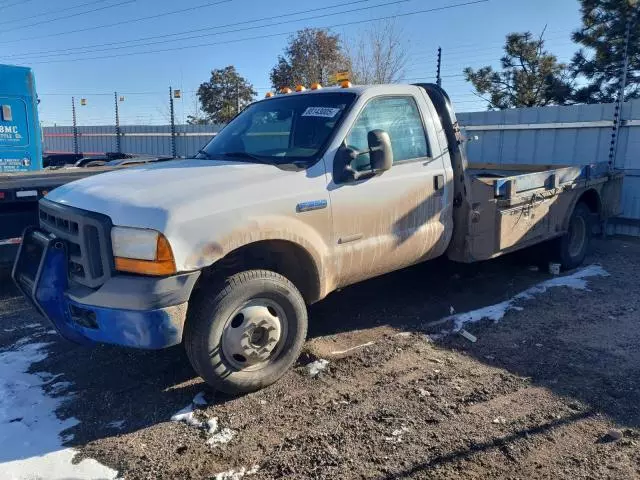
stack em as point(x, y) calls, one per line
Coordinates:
point(617, 111)
point(118, 144)
point(75, 125)
point(439, 66)
point(173, 125)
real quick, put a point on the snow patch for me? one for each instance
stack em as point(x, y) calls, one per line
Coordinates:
point(199, 400)
point(60, 387)
point(496, 312)
point(236, 474)
point(223, 436)
point(30, 433)
point(315, 368)
point(186, 415)
point(116, 424)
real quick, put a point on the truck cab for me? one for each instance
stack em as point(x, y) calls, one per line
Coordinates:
point(301, 194)
point(20, 138)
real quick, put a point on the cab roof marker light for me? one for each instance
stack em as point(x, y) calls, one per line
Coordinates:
point(269, 95)
point(316, 86)
point(345, 84)
point(285, 90)
point(300, 88)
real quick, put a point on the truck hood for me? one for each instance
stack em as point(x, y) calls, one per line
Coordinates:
point(148, 196)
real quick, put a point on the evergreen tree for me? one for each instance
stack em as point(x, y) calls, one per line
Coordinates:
point(600, 61)
point(223, 96)
point(530, 76)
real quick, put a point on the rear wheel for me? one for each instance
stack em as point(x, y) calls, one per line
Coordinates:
point(245, 334)
point(571, 248)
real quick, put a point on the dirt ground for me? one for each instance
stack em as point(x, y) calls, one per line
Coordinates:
point(534, 397)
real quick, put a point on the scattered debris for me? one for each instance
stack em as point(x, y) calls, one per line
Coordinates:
point(468, 336)
point(452, 310)
point(396, 435)
point(236, 474)
point(315, 368)
point(424, 393)
point(539, 345)
point(187, 416)
point(499, 421)
point(534, 268)
point(199, 400)
point(263, 402)
point(554, 268)
point(340, 352)
point(403, 334)
point(614, 435)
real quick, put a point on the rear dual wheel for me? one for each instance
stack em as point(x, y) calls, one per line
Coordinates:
point(572, 248)
point(245, 333)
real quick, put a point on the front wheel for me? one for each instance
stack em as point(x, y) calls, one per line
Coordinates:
point(245, 334)
point(572, 247)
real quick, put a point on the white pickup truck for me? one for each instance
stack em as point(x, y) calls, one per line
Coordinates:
point(301, 194)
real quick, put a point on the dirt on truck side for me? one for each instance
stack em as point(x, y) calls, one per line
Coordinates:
point(551, 390)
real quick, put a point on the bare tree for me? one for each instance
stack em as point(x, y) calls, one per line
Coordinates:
point(379, 55)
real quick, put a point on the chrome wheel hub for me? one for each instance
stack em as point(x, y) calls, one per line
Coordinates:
point(253, 333)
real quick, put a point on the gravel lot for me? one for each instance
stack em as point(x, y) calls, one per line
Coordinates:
point(550, 391)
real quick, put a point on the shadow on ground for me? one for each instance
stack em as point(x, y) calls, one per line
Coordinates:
point(146, 388)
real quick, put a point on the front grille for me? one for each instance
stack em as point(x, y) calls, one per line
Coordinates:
point(86, 235)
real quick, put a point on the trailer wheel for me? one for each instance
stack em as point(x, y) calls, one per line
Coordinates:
point(572, 247)
point(245, 333)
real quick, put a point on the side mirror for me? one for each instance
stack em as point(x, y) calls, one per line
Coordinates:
point(380, 158)
point(380, 151)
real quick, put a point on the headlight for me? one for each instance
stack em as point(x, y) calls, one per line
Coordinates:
point(142, 251)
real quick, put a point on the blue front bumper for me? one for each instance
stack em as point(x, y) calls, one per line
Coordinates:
point(40, 271)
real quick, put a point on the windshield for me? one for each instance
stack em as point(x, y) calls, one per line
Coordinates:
point(285, 129)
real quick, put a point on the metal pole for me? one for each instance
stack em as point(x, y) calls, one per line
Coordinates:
point(75, 125)
point(173, 125)
point(617, 112)
point(438, 77)
point(118, 144)
point(237, 96)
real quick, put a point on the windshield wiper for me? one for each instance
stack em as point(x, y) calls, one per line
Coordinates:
point(206, 155)
point(246, 155)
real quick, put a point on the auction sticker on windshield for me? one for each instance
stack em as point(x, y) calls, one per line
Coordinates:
point(325, 112)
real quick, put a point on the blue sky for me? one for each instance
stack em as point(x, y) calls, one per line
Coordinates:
point(97, 60)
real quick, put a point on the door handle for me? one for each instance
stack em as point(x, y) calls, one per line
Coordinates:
point(438, 182)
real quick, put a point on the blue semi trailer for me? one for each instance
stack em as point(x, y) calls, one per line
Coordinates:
point(20, 137)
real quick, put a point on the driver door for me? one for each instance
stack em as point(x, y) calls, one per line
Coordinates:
point(391, 220)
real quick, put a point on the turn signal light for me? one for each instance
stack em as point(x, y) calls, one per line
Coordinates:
point(164, 264)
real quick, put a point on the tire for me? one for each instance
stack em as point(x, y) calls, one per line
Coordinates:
point(572, 248)
point(231, 325)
